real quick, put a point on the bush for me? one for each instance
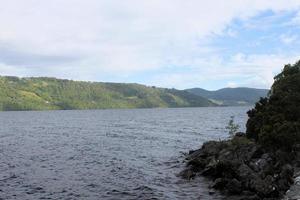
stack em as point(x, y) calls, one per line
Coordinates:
point(275, 120)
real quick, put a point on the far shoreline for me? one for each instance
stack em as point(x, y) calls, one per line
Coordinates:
point(154, 108)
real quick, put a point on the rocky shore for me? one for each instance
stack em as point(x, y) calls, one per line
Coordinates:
point(242, 169)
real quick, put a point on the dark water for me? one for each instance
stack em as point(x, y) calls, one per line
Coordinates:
point(106, 154)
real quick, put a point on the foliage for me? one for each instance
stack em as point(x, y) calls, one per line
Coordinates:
point(232, 127)
point(238, 141)
point(275, 120)
point(50, 93)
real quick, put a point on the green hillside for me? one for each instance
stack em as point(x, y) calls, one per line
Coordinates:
point(51, 94)
point(231, 96)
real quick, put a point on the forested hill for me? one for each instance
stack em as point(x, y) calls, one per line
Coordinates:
point(54, 94)
point(231, 96)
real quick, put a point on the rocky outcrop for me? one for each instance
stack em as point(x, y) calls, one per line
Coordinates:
point(242, 169)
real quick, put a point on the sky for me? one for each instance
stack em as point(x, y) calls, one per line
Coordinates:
point(167, 43)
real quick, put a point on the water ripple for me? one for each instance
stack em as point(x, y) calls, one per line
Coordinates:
point(106, 154)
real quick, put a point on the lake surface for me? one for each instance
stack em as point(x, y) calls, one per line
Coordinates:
point(106, 154)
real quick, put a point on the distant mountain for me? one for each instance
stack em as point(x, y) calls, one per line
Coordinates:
point(231, 96)
point(54, 94)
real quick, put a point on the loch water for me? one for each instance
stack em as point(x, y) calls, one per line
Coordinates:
point(107, 154)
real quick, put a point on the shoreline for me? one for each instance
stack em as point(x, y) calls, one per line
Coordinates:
point(152, 108)
point(243, 170)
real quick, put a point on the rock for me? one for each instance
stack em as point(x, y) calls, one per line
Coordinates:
point(297, 161)
point(246, 175)
point(252, 197)
point(294, 192)
point(255, 152)
point(212, 147)
point(191, 152)
point(245, 196)
point(219, 183)
point(194, 154)
point(212, 162)
point(197, 163)
point(227, 169)
point(286, 177)
point(240, 134)
point(296, 147)
point(211, 192)
point(283, 157)
point(234, 186)
point(287, 171)
point(283, 184)
point(261, 164)
point(210, 168)
point(226, 155)
point(187, 174)
point(209, 171)
point(261, 187)
point(244, 170)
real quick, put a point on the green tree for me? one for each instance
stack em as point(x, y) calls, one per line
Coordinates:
point(275, 120)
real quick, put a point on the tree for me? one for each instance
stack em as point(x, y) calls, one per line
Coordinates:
point(275, 120)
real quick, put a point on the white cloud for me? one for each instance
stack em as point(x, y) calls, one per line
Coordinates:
point(94, 37)
point(250, 70)
point(296, 19)
point(232, 84)
point(288, 38)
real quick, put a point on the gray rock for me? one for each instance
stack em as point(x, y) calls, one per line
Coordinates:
point(187, 174)
point(243, 170)
point(234, 186)
point(240, 134)
point(219, 183)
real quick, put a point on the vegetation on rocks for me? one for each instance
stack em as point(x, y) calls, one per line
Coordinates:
point(261, 163)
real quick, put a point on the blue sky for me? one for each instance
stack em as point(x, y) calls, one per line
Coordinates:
point(170, 43)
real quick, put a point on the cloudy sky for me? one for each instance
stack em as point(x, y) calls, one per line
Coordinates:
point(169, 43)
